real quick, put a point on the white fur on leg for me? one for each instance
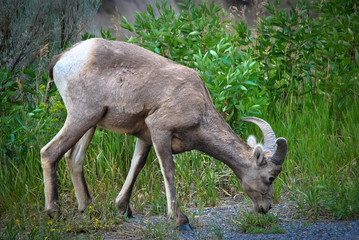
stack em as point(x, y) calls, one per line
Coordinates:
point(171, 203)
point(47, 187)
point(141, 146)
point(75, 160)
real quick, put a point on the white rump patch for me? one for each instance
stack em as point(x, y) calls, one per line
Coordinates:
point(71, 64)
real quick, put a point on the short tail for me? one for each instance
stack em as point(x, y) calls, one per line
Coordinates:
point(53, 62)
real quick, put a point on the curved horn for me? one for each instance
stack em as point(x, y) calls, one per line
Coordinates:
point(281, 151)
point(267, 131)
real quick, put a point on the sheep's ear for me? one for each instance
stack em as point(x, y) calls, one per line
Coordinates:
point(251, 141)
point(258, 154)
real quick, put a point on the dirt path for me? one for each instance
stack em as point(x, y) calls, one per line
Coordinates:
point(216, 223)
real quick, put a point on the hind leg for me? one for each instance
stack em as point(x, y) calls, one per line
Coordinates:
point(75, 160)
point(138, 161)
point(73, 129)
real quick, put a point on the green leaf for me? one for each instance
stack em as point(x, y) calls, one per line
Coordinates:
point(194, 33)
point(164, 4)
point(9, 84)
point(26, 89)
point(251, 83)
point(150, 10)
point(213, 53)
point(133, 40)
point(350, 32)
point(225, 60)
point(182, 5)
point(125, 24)
point(298, 30)
point(243, 88)
point(29, 72)
point(254, 112)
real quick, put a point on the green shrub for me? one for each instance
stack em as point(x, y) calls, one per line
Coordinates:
point(309, 55)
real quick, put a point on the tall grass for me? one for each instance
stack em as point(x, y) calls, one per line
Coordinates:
point(320, 173)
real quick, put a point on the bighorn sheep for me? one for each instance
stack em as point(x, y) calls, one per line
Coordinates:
point(127, 89)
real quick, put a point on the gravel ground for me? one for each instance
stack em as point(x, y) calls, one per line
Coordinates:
point(215, 223)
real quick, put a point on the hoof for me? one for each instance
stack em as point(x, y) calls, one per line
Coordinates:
point(126, 211)
point(125, 218)
point(128, 214)
point(52, 213)
point(185, 227)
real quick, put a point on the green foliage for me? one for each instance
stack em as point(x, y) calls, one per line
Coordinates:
point(298, 70)
point(305, 57)
point(317, 154)
point(217, 231)
point(104, 34)
point(161, 231)
point(22, 118)
point(254, 223)
point(284, 46)
point(42, 227)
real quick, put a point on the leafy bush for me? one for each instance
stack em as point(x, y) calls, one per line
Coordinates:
point(17, 111)
point(315, 54)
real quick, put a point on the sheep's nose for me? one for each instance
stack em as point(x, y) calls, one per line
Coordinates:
point(261, 210)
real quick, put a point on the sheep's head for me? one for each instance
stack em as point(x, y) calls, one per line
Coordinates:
point(266, 164)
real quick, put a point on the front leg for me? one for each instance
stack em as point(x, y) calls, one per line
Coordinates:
point(138, 161)
point(162, 144)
